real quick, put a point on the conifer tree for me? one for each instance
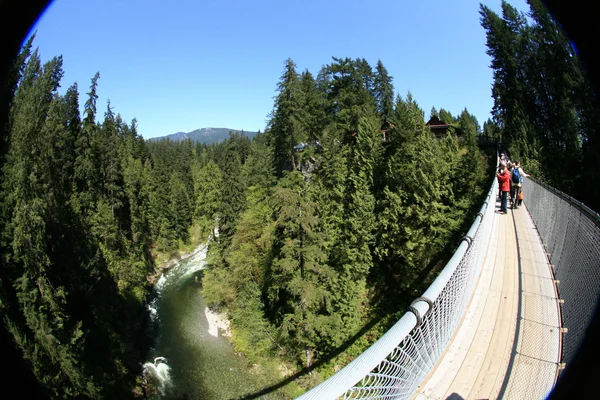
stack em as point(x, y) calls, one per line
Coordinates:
point(8, 92)
point(446, 117)
point(348, 90)
point(313, 107)
point(50, 338)
point(354, 259)
point(107, 145)
point(543, 103)
point(415, 217)
point(285, 126)
point(233, 196)
point(86, 179)
point(258, 169)
point(137, 200)
point(434, 113)
point(181, 210)
point(384, 92)
point(301, 281)
point(207, 189)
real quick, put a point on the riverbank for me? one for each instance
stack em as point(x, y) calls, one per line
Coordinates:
point(177, 256)
point(164, 261)
point(216, 323)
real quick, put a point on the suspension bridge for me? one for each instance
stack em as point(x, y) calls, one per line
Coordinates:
point(503, 318)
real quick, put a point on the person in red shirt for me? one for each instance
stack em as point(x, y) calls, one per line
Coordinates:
point(504, 182)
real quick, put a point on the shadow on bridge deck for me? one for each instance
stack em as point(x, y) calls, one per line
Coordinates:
point(508, 343)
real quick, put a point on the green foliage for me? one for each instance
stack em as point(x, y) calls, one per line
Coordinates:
point(384, 92)
point(446, 117)
point(207, 187)
point(352, 257)
point(258, 169)
point(544, 105)
point(312, 102)
point(82, 205)
point(308, 242)
point(348, 88)
point(233, 197)
point(300, 287)
point(40, 239)
point(431, 185)
point(285, 128)
point(311, 257)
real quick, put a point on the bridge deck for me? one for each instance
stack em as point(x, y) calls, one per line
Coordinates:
point(508, 344)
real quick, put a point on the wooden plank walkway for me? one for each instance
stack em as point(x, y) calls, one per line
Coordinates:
point(508, 344)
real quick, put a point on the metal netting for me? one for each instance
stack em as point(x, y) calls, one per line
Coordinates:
point(395, 366)
point(571, 235)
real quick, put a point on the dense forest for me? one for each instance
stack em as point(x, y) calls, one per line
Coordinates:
point(311, 244)
point(544, 105)
point(313, 248)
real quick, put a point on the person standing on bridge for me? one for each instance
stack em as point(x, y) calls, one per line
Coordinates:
point(501, 165)
point(516, 179)
point(504, 182)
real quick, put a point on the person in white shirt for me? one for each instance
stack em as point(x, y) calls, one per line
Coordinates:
point(517, 175)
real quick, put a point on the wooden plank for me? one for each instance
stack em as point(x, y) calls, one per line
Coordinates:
point(456, 354)
point(508, 343)
point(537, 350)
point(497, 357)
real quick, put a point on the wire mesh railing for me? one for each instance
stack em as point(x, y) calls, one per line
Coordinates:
point(395, 365)
point(570, 232)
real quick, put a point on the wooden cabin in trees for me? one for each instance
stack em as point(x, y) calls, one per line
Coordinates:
point(440, 128)
point(385, 132)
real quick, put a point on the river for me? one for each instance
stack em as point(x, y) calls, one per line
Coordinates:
point(191, 358)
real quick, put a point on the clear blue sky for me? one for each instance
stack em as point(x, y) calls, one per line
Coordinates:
point(182, 65)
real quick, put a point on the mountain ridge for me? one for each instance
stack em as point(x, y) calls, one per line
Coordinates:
point(204, 135)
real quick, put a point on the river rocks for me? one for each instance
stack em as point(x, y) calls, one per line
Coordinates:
point(176, 259)
point(217, 321)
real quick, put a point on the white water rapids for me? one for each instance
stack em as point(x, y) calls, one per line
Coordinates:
point(191, 358)
point(158, 372)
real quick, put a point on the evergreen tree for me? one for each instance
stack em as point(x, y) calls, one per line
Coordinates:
point(258, 169)
point(384, 92)
point(86, 179)
point(207, 189)
point(434, 113)
point(240, 283)
point(470, 169)
point(106, 147)
point(354, 259)
point(446, 117)
point(543, 103)
point(285, 126)
point(491, 130)
point(181, 210)
point(416, 215)
point(137, 199)
point(348, 89)
point(9, 90)
point(300, 287)
point(49, 337)
point(409, 120)
point(313, 107)
point(233, 196)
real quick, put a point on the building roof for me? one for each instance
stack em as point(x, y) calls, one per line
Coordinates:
point(435, 122)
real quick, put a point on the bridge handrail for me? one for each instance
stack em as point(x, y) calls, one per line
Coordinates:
point(416, 339)
point(591, 214)
point(570, 232)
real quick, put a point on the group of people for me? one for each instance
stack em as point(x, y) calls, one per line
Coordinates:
point(510, 179)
